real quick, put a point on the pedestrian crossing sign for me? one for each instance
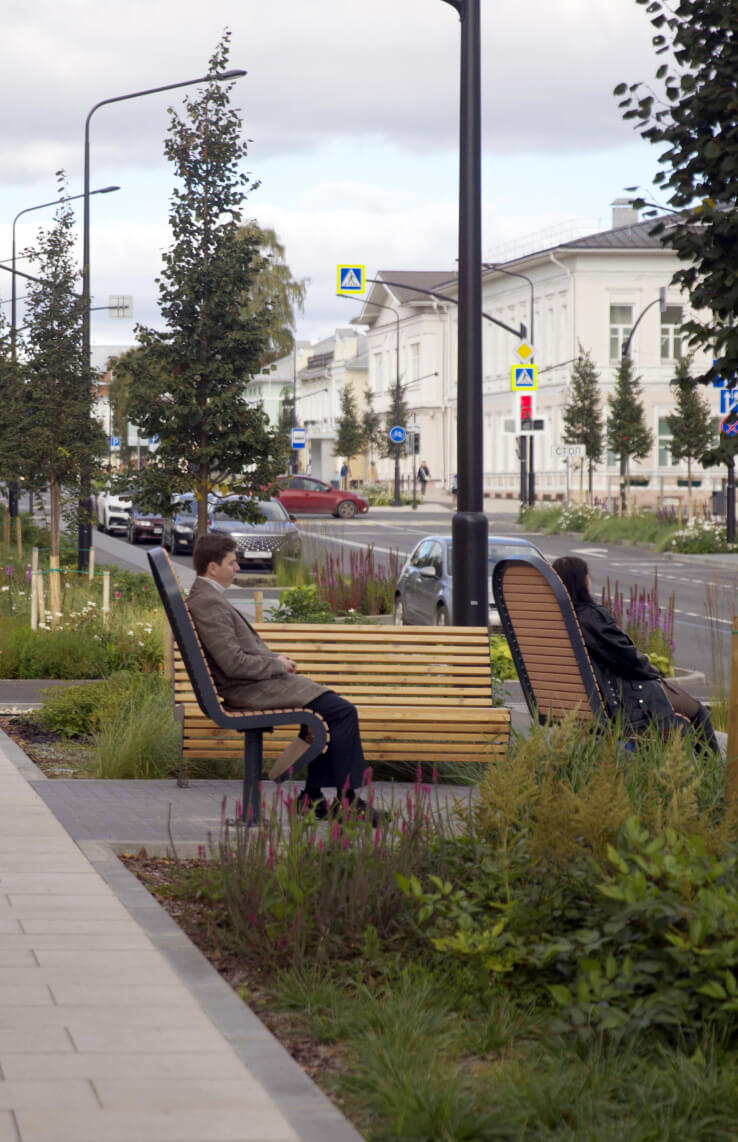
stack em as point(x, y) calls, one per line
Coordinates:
point(524, 377)
point(351, 279)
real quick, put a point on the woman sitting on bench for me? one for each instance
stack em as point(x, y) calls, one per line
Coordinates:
point(629, 683)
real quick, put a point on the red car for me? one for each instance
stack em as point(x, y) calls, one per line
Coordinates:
point(306, 494)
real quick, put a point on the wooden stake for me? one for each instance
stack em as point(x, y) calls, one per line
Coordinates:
point(259, 606)
point(91, 571)
point(19, 536)
point(6, 525)
point(34, 589)
point(731, 771)
point(54, 590)
point(106, 596)
point(41, 597)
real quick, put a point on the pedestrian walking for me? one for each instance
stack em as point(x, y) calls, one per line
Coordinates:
point(423, 476)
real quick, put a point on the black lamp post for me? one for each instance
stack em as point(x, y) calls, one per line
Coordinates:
point(625, 353)
point(469, 526)
point(84, 534)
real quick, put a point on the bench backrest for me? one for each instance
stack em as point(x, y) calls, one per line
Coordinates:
point(388, 665)
point(545, 640)
point(184, 632)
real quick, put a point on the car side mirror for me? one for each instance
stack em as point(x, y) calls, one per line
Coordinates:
point(428, 572)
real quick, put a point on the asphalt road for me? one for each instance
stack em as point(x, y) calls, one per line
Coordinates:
point(705, 588)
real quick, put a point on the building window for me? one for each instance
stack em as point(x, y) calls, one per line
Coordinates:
point(671, 333)
point(666, 459)
point(414, 361)
point(621, 325)
point(378, 372)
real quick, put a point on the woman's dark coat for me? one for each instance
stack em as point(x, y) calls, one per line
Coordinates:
point(628, 681)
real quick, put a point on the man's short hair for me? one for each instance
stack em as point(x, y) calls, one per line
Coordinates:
point(211, 548)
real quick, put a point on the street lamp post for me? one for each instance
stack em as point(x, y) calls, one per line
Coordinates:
point(398, 394)
point(469, 526)
point(527, 480)
point(625, 353)
point(84, 534)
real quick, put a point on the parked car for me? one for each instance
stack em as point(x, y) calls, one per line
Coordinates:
point(306, 494)
point(112, 511)
point(143, 525)
point(179, 527)
point(257, 542)
point(424, 588)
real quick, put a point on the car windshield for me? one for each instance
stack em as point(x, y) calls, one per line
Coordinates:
point(495, 551)
point(269, 512)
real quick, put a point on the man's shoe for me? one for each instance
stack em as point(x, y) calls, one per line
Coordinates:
point(359, 810)
point(317, 805)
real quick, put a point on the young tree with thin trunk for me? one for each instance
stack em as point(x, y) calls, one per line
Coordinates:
point(691, 428)
point(583, 411)
point(350, 438)
point(188, 384)
point(57, 435)
point(628, 436)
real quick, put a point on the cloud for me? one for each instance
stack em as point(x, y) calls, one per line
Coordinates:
point(316, 71)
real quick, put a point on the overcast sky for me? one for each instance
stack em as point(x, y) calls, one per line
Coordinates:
point(352, 113)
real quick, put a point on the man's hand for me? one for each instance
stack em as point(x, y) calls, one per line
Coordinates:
point(289, 663)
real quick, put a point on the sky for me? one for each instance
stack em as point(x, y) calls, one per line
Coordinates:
point(351, 110)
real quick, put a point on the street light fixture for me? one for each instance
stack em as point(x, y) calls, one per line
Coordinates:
point(625, 354)
point(28, 209)
point(84, 533)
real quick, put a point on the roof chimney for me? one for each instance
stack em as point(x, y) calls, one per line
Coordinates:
point(623, 213)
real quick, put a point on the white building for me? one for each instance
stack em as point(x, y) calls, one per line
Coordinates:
point(587, 293)
point(333, 363)
point(268, 386)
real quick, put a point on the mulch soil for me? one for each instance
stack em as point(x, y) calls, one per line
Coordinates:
point(55, 756)
point(206, 922)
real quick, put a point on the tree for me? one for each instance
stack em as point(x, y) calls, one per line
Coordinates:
point(371, 424)
point(627, 434)
point(583, 412)
point(694, 123)
point(187, 385)
point(273, 293)
point(690, 426)
point(57, 436)
point(350, 438)
point(283, 452)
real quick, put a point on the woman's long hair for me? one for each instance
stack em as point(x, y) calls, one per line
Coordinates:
point(573, 573)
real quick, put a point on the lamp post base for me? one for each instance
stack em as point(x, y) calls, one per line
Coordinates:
point(469, 531)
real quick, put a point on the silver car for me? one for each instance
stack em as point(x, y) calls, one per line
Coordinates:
point(424, 589)
point(257, 542)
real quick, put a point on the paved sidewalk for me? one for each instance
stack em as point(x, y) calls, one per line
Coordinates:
point(113, 1027)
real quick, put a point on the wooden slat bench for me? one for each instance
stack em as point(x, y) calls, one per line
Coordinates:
point(423, 693)
point(245, 727)
point(545, 641)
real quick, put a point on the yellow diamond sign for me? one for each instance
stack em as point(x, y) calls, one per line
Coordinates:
point(524, 350)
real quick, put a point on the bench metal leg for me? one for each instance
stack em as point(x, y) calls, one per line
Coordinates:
point(252, 763)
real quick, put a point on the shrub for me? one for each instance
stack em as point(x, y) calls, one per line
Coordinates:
point(139, 737)
point(301, 605)
point(80, 711)
point(699, 537)
point(132, 587)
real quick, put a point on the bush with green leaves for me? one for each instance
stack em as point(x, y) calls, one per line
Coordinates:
point(301, 605)
point(699, 537)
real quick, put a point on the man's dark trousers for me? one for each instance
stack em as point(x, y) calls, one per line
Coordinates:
point(342, 765)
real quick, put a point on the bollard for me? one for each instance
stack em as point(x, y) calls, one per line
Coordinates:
point(106, 596)
point(731, 769)
point(34, 589)
point(259, 606)
point(19, 537)
point(41, 597)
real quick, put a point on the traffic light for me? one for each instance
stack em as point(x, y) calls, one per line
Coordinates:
point(416, 443)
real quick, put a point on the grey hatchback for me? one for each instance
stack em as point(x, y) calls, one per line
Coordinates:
point(424, 588)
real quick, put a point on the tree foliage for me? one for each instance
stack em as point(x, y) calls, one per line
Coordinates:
point(628, 436)
point(187, 385)
point(583, 411)
point(274, 295)
point(690, 425)
point(350, 437)
point(694, 123)
point(398, 413)
point(56, 435)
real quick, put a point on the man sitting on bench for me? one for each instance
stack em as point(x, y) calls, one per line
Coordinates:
point(249, 676)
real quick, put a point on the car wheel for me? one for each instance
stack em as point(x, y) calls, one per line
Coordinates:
point(346, 509)
point(398, 612)
point(442, 618)
point(100, 526)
